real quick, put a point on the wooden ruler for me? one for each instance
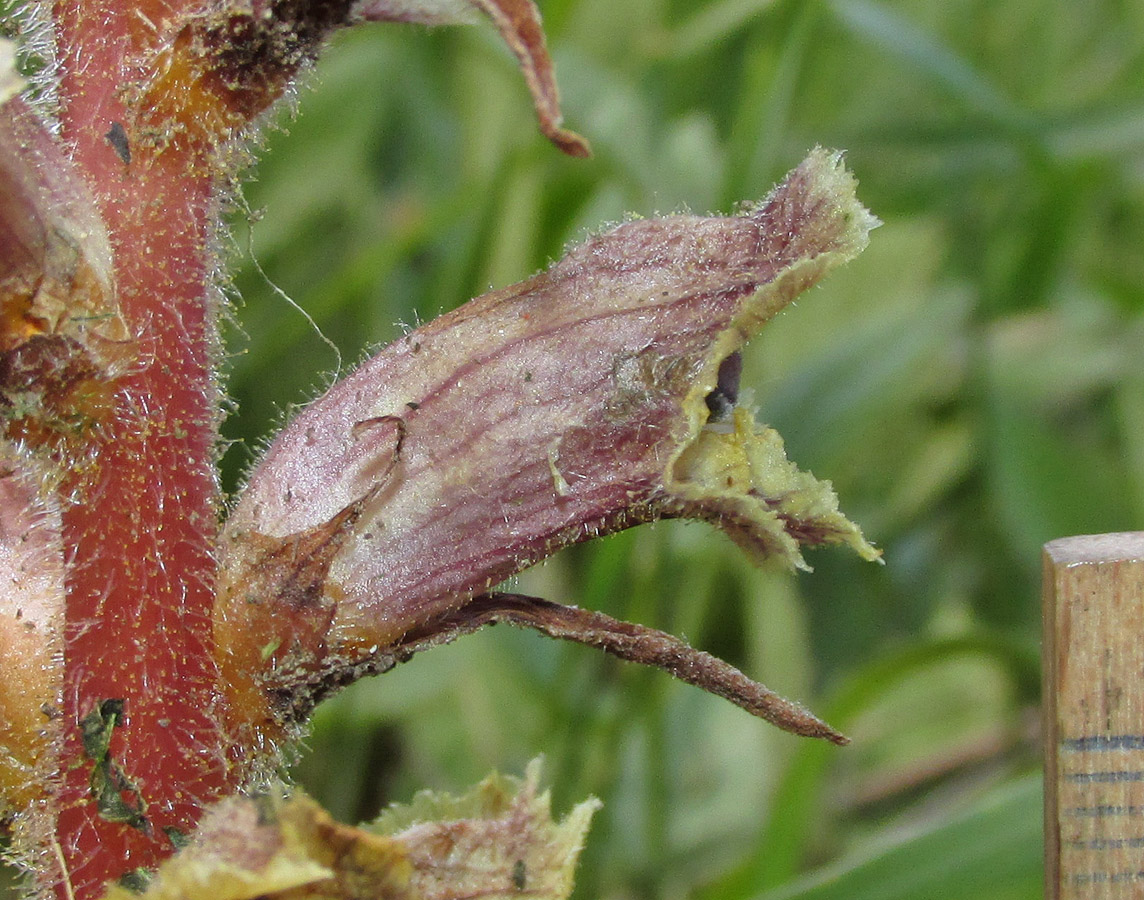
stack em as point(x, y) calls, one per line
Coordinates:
point(1094, 717)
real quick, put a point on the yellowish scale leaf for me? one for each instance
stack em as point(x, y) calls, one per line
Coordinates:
point(499, 840)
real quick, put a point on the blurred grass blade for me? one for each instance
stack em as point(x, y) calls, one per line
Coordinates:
point(877, 25)
point(715, 23)
point(992, 852)
point(1101, 135)
point(782, 845)
point(1130, 416)
point(1039, 491)
point(760, 126)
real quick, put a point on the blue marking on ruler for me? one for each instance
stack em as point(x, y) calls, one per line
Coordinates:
point(1104, 811)
point(1103, 742)
point(1104, 777)
point(1081, 878)
point(1134, 843)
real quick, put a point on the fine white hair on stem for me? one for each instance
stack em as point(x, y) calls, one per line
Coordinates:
point(294, 303)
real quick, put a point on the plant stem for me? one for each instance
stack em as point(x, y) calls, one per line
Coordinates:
point(141, 512)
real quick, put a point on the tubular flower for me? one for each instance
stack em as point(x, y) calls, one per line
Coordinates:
point(597, 395)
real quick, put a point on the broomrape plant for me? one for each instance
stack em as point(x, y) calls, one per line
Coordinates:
point(159, 651)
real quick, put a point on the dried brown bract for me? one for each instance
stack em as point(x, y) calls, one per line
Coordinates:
point(62, 340)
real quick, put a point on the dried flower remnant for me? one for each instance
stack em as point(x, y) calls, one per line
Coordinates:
point(500, 838)
point(31, 587)
point(570, 405)
point(62, 341)
point(220, 69)
point(483, 844)
point(518, 22)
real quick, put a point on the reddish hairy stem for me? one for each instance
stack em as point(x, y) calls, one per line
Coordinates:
point(139, 521)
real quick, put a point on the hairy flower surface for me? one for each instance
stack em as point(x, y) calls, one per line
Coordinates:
point(597, 395)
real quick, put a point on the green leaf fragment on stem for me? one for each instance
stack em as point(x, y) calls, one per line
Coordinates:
point(115, 795)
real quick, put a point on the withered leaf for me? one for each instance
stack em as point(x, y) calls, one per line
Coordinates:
point(484, 844)
point(499, 840)
point(518, 22)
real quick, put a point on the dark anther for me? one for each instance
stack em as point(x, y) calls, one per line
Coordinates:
point(721, 401)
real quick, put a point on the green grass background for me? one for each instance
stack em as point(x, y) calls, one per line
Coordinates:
point(973, 385)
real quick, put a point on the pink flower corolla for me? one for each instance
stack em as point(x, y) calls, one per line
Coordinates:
point(597, 395)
